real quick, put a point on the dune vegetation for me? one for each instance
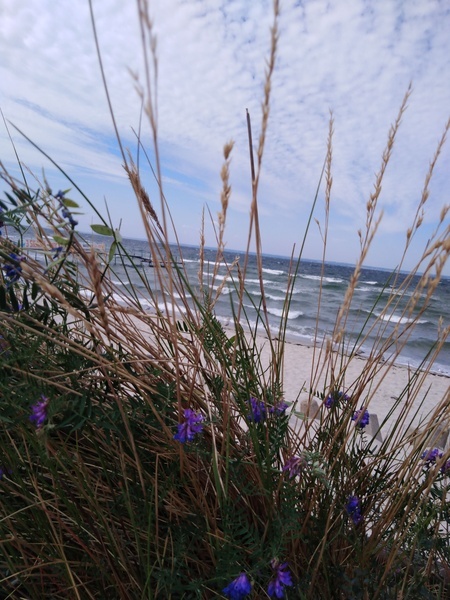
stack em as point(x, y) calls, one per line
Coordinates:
point(154, 454)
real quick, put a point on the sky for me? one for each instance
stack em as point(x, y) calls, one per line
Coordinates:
point(355, 58)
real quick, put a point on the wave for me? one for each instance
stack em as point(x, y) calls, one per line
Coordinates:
point(367, 289)
point(279, 312)
point(320, 278)
point(212, 263)
point(275, 298)
point(401, 320)
point(273, 271)
point(219, 277)
point(267, 282)
point(225, 290)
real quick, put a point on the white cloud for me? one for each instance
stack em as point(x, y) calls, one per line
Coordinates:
point(356, 58)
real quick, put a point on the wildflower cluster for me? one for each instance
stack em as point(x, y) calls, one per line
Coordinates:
point(431, 456)
point(39, 412)
point(13, 271)
point(353, 508)
point(282, 577)
point(258, 410)
point(361, 418)
point(192, 424)
point(294, 466)
point(279, 409)
point(335, 398)
point(240, 587)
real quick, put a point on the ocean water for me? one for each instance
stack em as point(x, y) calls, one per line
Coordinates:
point(304, 322)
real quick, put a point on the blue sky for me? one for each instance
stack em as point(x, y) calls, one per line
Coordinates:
point(354, 57)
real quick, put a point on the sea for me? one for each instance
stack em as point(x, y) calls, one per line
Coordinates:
point(307, 321)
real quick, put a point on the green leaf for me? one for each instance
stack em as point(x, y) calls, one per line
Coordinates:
point(112, 251)
point(60, 240)
point(102, 229)
point(68, 203)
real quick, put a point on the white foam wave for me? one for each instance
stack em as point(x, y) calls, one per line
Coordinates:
point(365, 289)
point(225, 290)
point(278, 312)
point(217, 277)
point(273, 271)
point(265, 281)
point(213, 263)
point(401, 320)
point(320, 278)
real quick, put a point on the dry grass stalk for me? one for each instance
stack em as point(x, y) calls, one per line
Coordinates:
point(97, 286)
point(141, 194)
point(225, 194)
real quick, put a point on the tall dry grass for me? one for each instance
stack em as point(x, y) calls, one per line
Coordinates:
point(113, 490)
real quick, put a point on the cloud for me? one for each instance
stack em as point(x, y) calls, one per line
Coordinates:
point(355, 58)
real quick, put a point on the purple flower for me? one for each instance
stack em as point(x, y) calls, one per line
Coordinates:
point(294, 465)
point(57, 251)
point(14, 271)
point(257, 410)
point(39, 412)
point(361, 418)
point(65, 211)
point(430, 456)
point(353, 508)
point(334, 398)
point(280, 408)
point(282, 578)
point(238, 588)
point(446, 467)
point(191, 426)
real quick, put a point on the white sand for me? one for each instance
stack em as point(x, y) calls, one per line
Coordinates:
point(386, 386)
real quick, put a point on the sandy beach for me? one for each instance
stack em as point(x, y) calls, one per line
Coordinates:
point(388, 384)
point(428, 395)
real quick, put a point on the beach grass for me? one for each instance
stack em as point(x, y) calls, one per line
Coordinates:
point(159, 455)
